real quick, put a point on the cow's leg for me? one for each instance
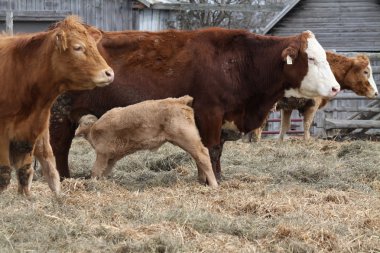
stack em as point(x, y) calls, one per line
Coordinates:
point(210, 129)
point(61, 136)
point(308, 118)
point(5, 168)
point(246, 138)
point(191, 143)
point(285, 123)
point(44, 154)
point(21, 153)
point(258, 131)
point(100, 165)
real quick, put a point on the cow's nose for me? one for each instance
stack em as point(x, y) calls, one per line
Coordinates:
point(110, 74)
point(376, 94)
point(335, 89)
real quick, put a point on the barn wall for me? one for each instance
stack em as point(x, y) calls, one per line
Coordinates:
point(341, 25)
point(105, 14)
point(154, 20)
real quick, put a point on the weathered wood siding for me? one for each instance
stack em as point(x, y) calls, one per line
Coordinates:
point(106, 14)
point(154, 20)
point(342, 25)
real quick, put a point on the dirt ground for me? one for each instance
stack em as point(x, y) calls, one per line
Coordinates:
point(318, 196)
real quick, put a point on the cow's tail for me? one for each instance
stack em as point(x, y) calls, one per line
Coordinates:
point(186, 100)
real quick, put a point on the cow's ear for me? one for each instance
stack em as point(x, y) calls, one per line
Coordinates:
point(61, 41)
point(289, 54)
point(360, 63)
point(95, 33)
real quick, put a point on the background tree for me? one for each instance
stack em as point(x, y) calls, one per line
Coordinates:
point(253, 21)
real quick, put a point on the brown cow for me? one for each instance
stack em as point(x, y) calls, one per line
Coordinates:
point(35, 69)
point(147, 125)
point(233, 75)
point(352, 73)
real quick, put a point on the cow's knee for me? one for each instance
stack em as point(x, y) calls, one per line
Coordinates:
point(25, 176)
point(5, 176)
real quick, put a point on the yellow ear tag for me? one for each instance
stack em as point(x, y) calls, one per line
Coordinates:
point(289, 60)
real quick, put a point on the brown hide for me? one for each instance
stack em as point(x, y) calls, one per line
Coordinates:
point(232, 75)
point(35, 69)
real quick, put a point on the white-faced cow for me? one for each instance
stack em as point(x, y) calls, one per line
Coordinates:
point(352, 73)
point(233, 75)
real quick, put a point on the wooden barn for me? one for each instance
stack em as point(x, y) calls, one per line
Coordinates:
point(110, 15)
point(37, 15)
point(344, 26)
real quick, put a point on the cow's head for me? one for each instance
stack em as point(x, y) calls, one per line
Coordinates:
point(76, 60)
point(360, 79)
point(306, 65)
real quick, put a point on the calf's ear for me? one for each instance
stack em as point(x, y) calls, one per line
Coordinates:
point(289, 54)
point(61, 41)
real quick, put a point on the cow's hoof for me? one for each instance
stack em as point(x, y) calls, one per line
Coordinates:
point(5, 177)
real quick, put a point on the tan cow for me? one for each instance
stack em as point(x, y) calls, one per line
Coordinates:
point(35, 69)
point(146, 125)
point(352, 73)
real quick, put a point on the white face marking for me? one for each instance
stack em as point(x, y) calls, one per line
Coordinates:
point(230, 125)
point(319, 80)
point(372, 81)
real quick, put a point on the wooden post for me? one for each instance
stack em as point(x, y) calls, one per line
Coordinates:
point(9, 22)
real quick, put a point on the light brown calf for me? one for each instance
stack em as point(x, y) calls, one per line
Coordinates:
point(34, 70)
point(352, 73)
point(146, 125)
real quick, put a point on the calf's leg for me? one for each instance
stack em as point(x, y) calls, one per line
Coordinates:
point(100, 165)
point(186, 136)
point(190, 141)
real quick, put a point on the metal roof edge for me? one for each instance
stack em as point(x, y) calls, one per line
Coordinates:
point(280, 16)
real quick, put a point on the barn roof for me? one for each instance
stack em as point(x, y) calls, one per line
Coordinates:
point(342, 25)
point(149, 3)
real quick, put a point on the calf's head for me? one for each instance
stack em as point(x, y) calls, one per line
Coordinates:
point(85, 124)
point(359, 78)
point(76, 60)
point(307, 69)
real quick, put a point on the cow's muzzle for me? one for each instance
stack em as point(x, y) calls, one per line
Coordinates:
point(106, 77)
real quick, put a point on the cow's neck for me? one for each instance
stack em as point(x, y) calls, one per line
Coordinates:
point(35, 87)
point(340, 65)
point(269, 88)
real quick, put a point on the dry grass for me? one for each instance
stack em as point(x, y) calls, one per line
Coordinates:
point(320, 196)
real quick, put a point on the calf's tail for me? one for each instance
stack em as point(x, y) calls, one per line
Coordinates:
point(186, 100)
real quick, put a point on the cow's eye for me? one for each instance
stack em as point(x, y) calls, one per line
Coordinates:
point(78, 47)
point(311, 59)
point(366, 72)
